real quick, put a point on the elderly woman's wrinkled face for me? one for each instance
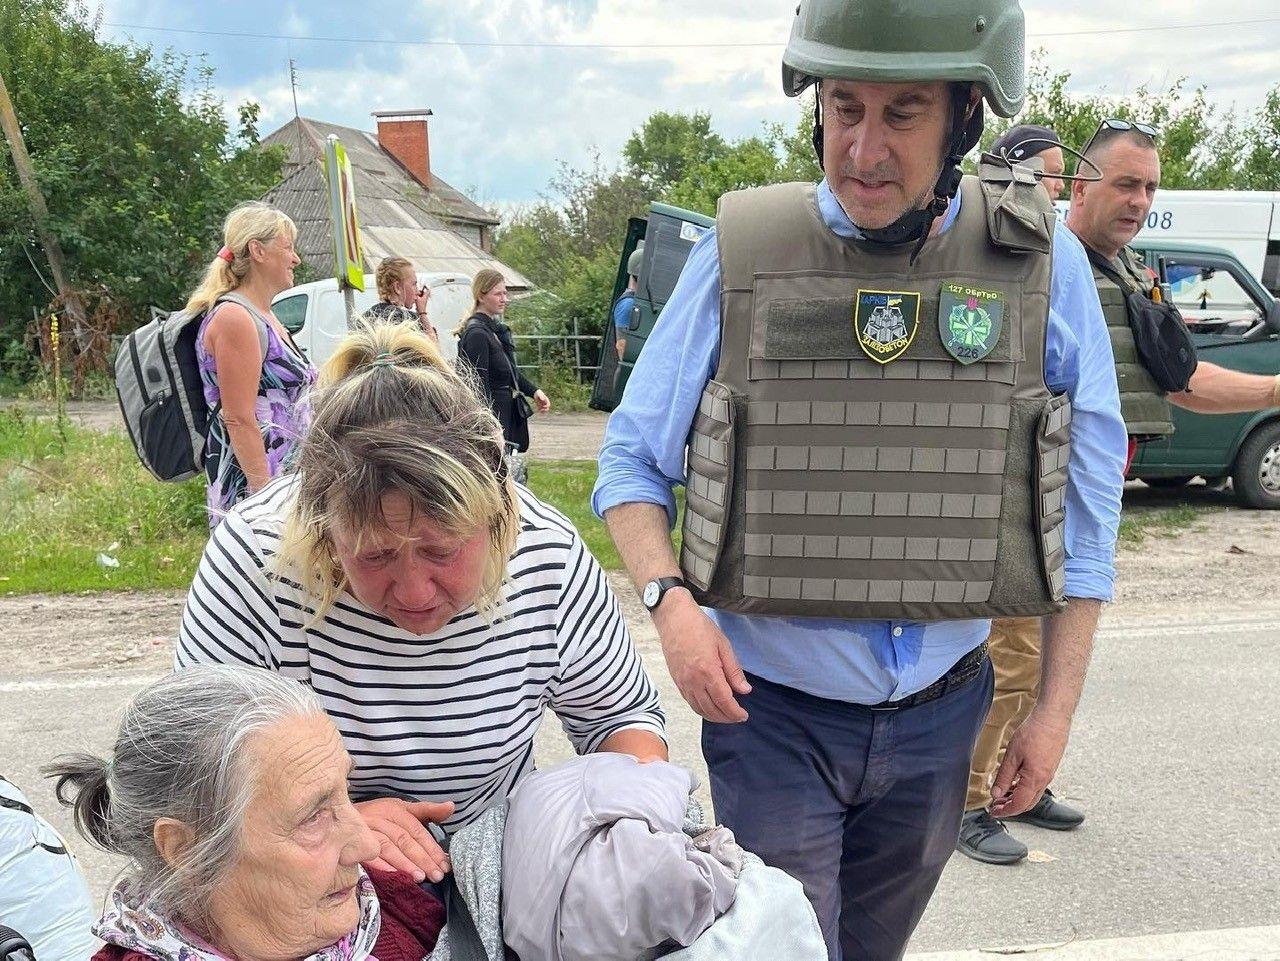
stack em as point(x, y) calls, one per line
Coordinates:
point(293, 890)
point(412, 572)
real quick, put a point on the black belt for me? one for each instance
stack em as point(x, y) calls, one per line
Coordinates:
point(962, 672)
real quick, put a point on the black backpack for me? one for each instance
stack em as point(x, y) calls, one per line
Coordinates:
point(160, 392)
point(1160, 334)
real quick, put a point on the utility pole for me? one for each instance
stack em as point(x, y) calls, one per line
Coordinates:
point(52, 249)
point(293, 83)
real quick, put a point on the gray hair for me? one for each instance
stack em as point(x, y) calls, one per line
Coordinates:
point(180, 753)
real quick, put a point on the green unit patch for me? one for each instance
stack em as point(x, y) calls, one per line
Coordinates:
point(969, 321)
point(885, 322)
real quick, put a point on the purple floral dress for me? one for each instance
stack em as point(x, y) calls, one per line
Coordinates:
point(283, 411)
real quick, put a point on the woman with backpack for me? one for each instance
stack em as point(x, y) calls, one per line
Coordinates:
point(255, 377)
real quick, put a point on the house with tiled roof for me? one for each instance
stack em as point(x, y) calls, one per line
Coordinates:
point(404, 209)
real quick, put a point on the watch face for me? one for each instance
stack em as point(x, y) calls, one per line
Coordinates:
point(651, 593)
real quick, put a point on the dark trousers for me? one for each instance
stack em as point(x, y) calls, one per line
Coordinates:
point(862, 807)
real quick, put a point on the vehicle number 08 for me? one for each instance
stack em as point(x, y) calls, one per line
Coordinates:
point(1160, 220)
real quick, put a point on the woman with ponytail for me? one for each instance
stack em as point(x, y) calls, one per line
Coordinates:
point(255, 377)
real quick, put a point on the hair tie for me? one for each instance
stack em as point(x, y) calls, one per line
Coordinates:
point(384, 359)
point(227, 254)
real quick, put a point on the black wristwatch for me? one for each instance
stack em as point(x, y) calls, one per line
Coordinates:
point(656, 590)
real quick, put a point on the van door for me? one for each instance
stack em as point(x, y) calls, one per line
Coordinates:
point(1227, 313)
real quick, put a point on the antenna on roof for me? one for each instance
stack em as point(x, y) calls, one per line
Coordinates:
point(293, 83)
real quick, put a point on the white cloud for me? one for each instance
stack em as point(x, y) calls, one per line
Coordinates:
point(505, 115)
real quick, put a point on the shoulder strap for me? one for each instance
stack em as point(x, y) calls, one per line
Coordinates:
point(254, 312)
point(1020, 216)
point(1109, 270)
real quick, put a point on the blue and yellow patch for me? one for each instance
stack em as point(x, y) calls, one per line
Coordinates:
point(885, 322)
point(969, 321)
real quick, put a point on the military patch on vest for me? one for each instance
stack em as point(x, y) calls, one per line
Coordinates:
point(886, 322)
point(969, 321)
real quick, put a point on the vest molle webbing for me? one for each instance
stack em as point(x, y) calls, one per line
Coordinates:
point(1143, 406)
point(924, 484)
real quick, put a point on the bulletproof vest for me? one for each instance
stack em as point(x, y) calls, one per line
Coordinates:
point(878, 441)
point(1143, 406)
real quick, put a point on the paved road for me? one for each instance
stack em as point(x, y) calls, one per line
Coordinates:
point(1173, 757)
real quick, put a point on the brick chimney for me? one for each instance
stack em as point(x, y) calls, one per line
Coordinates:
point(403, 134)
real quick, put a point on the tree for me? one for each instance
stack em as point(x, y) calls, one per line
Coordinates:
point(134, 156)
point(1198, 149)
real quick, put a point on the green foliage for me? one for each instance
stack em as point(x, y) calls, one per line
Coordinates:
point(1198, 148)
point(134, 156)
point(62, 503)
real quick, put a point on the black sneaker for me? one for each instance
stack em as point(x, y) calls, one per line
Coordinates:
point(985, 839)
point(1051, 813)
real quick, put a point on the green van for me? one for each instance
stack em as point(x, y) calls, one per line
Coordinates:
point(669, 233)
point(1233, 319)
point(1235, 323)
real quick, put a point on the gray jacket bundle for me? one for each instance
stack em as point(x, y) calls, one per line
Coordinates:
point(607, 859)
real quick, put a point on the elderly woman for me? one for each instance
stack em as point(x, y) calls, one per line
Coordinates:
point(255, 377)
point(436, 607)
point(400, 297)
point(227, 792)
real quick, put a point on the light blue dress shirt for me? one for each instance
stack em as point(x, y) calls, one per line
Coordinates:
point(866, 662)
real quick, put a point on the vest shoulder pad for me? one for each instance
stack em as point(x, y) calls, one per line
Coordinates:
point(1020, 216)
point(748, 221)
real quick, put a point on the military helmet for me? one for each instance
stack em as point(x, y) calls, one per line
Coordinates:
point(634, 261)
point(899, 41)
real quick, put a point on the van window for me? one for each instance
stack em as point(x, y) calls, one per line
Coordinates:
point(1211, 299)
point(291, 312)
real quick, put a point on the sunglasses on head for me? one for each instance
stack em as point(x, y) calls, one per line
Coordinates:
point(1115, 123)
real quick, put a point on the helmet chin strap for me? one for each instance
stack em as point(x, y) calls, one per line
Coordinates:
point(914, 225)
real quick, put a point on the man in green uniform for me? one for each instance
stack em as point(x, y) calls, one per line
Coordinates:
point(1105, 216)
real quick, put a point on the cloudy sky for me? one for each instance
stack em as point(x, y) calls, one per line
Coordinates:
point(516, 85)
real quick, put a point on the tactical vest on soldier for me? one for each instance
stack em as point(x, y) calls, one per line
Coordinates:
point(1143, 406)
point(878, 440)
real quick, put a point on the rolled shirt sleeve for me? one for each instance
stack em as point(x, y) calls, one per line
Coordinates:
point(643, 455)
point(1079, 362)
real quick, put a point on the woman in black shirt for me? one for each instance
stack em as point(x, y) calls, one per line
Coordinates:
point(486, 344)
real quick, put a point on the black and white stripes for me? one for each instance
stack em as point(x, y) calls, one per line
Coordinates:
point(450, 716)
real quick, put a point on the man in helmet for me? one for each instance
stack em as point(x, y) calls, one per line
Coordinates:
point(860, 504)
point(622, 306)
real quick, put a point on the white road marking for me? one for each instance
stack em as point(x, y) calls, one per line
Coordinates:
point(1269, 624)
point(1234, 944)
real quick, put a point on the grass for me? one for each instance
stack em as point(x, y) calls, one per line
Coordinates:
point(64, 502)
point(1137, 525)
point(69, 495)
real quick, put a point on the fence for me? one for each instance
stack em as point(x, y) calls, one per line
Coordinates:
point(571, 345)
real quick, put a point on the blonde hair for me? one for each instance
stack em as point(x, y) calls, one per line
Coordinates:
point(483, 282)
point(390, 273)
point(253, 220)
point(392, 415)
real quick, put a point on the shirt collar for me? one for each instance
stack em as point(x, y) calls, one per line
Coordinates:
point(838, 221)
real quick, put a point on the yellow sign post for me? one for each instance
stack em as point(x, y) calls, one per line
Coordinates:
point(348, 258)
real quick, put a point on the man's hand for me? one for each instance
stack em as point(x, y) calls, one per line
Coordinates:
point(407, 846)
point(541, 401)
point(700, 659)
point(1030, 761)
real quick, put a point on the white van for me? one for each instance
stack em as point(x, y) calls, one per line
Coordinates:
point(316, 314)
point(1244, 222)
